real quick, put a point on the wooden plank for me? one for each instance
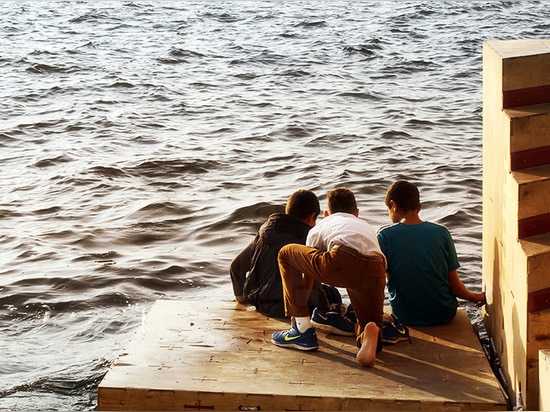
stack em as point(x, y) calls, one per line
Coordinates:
point(534, 191)
point(218, 355)
point(544, 379)
point(530, 158)
point(533, 225)
point(511, 49)
point(528, 129)
point(538, 338)
point(537, 253)
point(524, 62)
point(526, 97)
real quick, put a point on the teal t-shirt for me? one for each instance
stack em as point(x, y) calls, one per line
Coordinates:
point(420, 258)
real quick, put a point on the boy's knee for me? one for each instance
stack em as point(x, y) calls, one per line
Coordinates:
point(289, 249)
point(282, 252)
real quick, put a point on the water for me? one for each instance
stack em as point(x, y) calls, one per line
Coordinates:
point(143, 143)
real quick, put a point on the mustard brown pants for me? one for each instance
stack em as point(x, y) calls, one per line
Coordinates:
point(363, 277)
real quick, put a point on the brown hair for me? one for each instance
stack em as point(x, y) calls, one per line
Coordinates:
point(302, 203)
point(341, 199)
point(405, 194)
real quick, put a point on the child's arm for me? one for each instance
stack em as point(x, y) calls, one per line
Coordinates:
point(459, 290)
point(238, 270)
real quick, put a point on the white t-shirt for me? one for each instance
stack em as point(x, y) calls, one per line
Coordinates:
point(344, 229)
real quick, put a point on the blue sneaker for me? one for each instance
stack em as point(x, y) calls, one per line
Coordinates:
point(293, 338)
point(335, 320)
point(394, 332)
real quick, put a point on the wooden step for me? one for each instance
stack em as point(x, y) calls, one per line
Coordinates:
point(529, 136)
point(537, 253)
point(533, 200)
point(217, 355)
point(523, 66)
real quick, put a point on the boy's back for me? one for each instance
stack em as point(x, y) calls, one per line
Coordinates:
point(344, 229)
point(423, 281)
point(419, 259)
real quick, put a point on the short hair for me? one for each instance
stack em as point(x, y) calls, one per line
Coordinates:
point(302, 203)
point(341, 199)
point(405, 194)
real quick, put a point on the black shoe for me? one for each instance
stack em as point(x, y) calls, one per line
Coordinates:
point(333, 321)
point(394, 332)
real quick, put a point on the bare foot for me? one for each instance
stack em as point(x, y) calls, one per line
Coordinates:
point(367, 352)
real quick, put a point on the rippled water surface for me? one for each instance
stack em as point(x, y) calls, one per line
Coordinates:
point(143, 143)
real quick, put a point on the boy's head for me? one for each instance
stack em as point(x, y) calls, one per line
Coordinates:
point(341, 199)
point(405, 195)
point(302, 204)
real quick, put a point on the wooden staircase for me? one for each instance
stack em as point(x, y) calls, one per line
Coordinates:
point(516, 209)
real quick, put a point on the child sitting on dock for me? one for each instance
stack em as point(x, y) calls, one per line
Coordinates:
point(342, 251)
point(255, 272)
point(423, 282)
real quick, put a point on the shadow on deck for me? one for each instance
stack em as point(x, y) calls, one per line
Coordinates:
point(217, 355)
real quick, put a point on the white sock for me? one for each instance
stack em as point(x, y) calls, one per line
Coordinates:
point(303, 324)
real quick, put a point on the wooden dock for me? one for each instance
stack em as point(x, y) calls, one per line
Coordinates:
point(218, 355)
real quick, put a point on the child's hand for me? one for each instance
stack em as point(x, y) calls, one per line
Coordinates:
point(480, 299)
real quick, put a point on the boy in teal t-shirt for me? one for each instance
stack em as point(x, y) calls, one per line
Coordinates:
point(423, 281)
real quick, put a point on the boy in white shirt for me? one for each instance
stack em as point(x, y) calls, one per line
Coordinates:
point(341, 251)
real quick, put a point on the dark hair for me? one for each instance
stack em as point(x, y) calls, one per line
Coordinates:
point(405, 194)
point(302, 203)
point(341, 199)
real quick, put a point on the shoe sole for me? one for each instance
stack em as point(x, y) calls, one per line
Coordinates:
point(294, 346)
point(394, 341)
point(331, 329)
